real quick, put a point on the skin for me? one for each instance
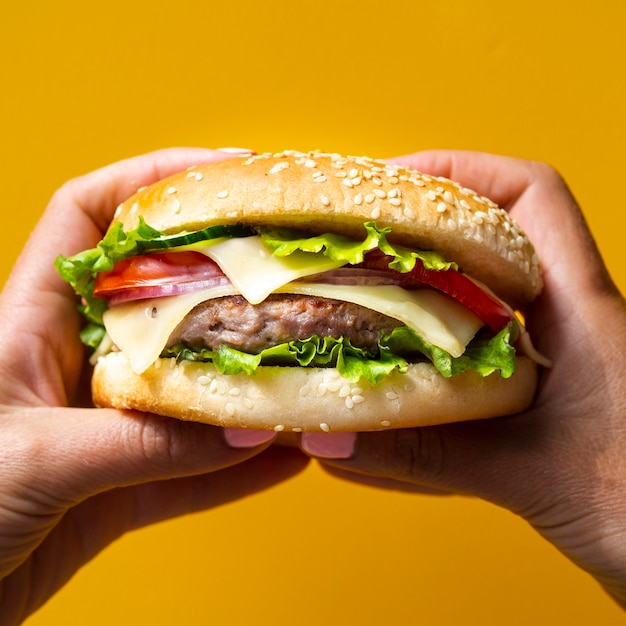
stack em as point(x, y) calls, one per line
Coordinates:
point(72, 478)
point(559, 465)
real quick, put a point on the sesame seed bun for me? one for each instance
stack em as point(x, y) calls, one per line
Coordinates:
point(298, 399)
point(320, 193)
point(331, 193)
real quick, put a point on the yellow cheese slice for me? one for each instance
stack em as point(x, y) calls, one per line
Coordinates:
point(251, 267)
point(141, 328)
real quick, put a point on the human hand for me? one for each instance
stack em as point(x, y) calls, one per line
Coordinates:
point(74, 479)
point(560, 465)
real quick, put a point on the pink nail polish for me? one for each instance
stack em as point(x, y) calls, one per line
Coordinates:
point(329, 445)
point(247, 438)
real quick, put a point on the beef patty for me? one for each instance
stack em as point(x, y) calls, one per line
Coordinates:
point(234, 322)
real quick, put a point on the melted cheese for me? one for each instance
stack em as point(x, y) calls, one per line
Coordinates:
point(255, 272)
point(141, 329)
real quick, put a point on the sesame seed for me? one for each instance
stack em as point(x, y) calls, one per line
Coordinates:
point(370, 197)
point(235, 391)
point(279, 428)
point(223, 194)
point(203, 380)
point(358, 199)
point(347, 182)
point(333, 385)
point(321, 389)
point(349, 403)
point(324, 200)
point(279, 167)
point(357, 399)
point(171, 190)
point(395, 201)
point(354, 172)
point(375, 213)
point(393, 180)
point(391, 395)
point(341, 174)
point(431, 195)
point(325, 427)
point(442, 207)
point(381, 193)
point(448, 197)
point(385, 423)
point(249, 404)
point(464, 203)
point(320, 179)
point(344, 391)
point(230, 408)
point(310, 163)
point(297, 429)
point(356, 180)
point(394, 193)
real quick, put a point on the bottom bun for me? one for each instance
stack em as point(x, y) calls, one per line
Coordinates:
point(293, 399)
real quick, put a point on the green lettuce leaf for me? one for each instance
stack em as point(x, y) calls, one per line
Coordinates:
point(486, 355)
point(80, 270)
point(352, 363)
point(283, 242)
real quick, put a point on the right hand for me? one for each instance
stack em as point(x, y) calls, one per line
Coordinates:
point(561, 465)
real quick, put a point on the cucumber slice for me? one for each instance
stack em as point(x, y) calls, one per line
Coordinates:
point(165, 242)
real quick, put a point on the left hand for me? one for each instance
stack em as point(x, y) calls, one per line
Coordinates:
point(74, 479)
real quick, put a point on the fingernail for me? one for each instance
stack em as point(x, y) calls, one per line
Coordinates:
point(247, 438)
point(236, 150)
point(329, 445)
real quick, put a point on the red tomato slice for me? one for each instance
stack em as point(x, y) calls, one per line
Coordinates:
point(155, 270)
point(455, 284)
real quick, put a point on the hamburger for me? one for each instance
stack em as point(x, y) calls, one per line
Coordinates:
point(309, 291)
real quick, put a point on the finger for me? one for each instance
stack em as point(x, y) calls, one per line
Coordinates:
point(56, 458)
point(484, 458)
point(536, 196)
point(89, 527)
point(499, 178)
point(389, 484)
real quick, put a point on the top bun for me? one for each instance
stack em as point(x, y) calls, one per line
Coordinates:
point(318, 192)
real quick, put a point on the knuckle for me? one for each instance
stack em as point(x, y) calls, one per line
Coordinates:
point(160, 442)
point(418, 454)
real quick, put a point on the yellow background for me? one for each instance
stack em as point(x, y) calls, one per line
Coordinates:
point(87, 83)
